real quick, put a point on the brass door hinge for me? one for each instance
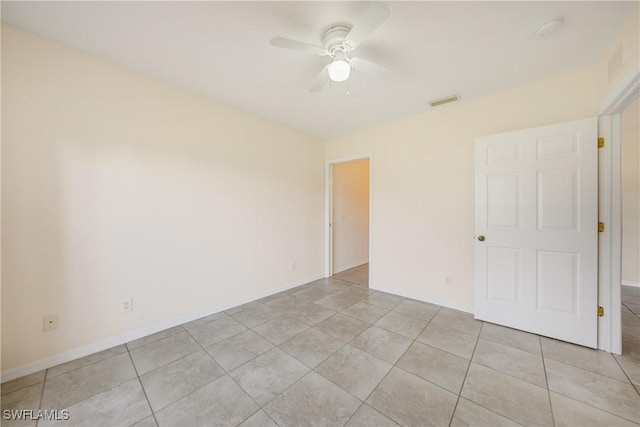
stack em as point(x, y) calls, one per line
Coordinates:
point(600, 311)
point(601, 227)
point(600, 142)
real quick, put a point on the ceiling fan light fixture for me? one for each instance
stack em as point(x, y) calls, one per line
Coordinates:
point(339, 70)
point(338, 42)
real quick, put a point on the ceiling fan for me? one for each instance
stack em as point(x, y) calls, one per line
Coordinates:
point(339, 40)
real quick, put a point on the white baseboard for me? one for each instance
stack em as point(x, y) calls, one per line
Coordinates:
point(447, 304)
point(67, 356)
point(631, 284)
point(349, 266)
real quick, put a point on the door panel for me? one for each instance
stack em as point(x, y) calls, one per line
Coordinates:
point(556, 146)
point(503, 267)
point(557, 281)
point(558, 199)
point(503, 200)
point(536, 203)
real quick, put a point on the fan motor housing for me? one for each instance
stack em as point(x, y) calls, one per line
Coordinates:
point(334, 36)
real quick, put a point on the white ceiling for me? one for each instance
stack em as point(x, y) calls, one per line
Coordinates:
point(222, 50)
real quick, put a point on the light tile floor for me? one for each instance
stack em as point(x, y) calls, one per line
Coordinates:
point(357, 275)
point(333, 353)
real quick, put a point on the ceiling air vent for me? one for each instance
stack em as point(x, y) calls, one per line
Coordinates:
point(442, 101)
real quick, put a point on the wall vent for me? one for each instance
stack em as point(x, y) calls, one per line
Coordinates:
point(442, 101)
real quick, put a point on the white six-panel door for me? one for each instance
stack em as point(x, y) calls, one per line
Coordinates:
point(537, 211)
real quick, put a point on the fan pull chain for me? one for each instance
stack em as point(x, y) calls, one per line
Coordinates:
point(349, 87)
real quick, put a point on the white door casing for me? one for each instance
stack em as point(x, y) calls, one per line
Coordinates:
point(537, 206)
point(328, 186)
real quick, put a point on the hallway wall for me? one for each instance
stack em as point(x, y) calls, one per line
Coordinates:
point(350, 214)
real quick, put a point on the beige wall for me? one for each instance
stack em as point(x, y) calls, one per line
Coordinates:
point(350, 214)
point(628, 40)
point(423, 181)
point(115, 185)
point(631, 194)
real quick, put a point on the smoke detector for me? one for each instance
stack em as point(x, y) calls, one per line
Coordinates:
point(549, 27)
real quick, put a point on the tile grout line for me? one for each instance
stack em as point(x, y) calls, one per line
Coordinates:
point(592, 372)
point(478, 337)
point(88, 364)
point(509, 345)
point(244, 363)
point(95, 393)
point(575, 400)
point(173, 361)
point(625, 374)
point(310, 369)
point(323, 360)
point(546, 380)
point(155, 341)
point(562, 394)
point(363, 402)
point(314, 369)
point(430, 382)
point(414, 340)
point(625, 305)
point(193, 391)
point(510, 376)
point(226, 373)
point(278, 345)
point(392, 365)
point(243, 390)
point(447, 351)
point(606, 411)
point(554, 360)
point(44, 383)
point(183, 329)
point(260, 407)
point(348, 343)
point(182, 358)
point(488, 367)
point(135, 369)
point(475, 345)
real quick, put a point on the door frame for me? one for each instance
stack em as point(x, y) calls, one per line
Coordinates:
point(328, 191)
point(610, 205)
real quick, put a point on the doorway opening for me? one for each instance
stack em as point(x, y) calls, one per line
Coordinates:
point(621, 95)
point(630, 192)
point(348, 197)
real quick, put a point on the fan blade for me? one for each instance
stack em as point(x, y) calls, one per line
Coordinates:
point(321, 80)
point(369, 67)
point(296, 45)
point(375, 14)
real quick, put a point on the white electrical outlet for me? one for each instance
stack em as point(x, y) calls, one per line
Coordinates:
point(127, 305)
point(293, 266)
point(49, 323)
point(447, 280)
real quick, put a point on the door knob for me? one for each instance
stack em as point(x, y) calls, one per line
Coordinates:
point(481, 238)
